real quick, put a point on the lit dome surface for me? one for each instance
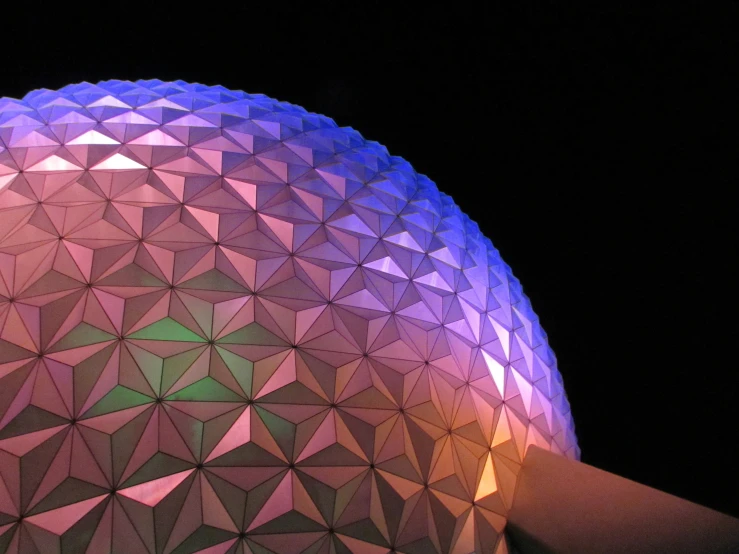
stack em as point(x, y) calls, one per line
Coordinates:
point(230, 326)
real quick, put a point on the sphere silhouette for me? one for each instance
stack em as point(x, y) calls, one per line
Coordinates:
point(228, 325)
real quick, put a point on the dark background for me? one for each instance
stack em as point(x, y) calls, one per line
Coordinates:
point(596, 147)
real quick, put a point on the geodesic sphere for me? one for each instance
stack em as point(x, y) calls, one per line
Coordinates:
point(230, 326)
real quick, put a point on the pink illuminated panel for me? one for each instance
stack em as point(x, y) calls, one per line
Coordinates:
point(229, 326)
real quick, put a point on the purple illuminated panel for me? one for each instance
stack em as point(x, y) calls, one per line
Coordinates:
point(229, 326)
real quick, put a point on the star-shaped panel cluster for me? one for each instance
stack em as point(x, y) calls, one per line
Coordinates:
point(229, 326)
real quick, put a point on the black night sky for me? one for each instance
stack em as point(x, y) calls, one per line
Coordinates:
point(595, 146)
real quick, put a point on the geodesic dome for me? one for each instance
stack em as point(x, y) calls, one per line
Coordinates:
point(230, 326)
